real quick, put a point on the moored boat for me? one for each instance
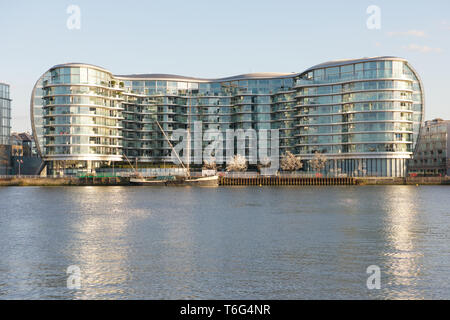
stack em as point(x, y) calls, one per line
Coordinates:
point(148, 182)
point(211, 181)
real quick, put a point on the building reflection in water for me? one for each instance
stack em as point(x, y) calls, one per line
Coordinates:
point(100, 243)
point(403, 229)
point(125, 248)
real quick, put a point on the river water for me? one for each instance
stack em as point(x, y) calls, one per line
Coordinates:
point(225, 243)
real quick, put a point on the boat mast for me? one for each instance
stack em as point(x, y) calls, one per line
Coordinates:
point(170, 144)
point(135, 170)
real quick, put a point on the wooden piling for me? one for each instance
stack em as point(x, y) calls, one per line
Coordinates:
point(276, 181)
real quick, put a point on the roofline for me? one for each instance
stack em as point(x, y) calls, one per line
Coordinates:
point(344, 62)
point(248, 76)
point(79, 64)
point(173, 77)
point(437, 121)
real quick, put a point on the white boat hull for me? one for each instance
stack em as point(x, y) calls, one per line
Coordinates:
point(145, 182)
point(212, 181)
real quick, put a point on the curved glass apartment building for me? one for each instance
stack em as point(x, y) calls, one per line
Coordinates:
point(77, 118)
point(363, 115)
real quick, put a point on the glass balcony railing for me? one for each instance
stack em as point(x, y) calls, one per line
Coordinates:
point(378, 74)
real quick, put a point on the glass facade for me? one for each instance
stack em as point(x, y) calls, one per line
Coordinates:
point(431, 157)
point(364, 115)
point(5, 114)
point(77, 118)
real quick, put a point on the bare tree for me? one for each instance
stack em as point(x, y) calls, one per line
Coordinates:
point(237, 163)
point(210, 165)
point(289, 162)
point(318, 162)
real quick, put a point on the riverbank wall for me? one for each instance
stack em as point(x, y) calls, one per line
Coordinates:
point(230, 181)
point(285, 181)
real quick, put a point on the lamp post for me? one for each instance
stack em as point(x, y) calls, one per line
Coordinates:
point(19, 162)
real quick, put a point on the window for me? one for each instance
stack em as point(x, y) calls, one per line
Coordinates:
point(319, 74)
point(347, 69)
point(359, 67)
point(332, 71)
point(370, 65)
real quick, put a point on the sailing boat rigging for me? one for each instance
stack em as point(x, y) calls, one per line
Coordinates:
point(202, 181)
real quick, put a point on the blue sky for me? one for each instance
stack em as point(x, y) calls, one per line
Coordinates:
point(209, 38)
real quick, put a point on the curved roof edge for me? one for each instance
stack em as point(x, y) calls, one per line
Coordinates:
point(249, 76)
point(158, 76)
point(79, 64)
point(336, 63)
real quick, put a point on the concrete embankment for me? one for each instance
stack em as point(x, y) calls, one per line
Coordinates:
point(43, 181)
point(380, 181)
point(404, 181)
point(428, 180)
point(330, 181)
